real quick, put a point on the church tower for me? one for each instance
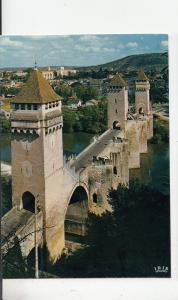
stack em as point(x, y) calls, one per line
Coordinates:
point(117, 103)
point(142, 97)
point(37, 149)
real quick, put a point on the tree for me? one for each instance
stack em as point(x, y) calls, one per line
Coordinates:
point(4, 124)
point(161, 132)
point(127, 242)
point(64, 91)
point(90, 119)
point(6, 195)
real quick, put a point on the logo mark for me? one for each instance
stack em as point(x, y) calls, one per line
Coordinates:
point(161, 269)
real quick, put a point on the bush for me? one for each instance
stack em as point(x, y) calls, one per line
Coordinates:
point(5, 124)
point(161, 132)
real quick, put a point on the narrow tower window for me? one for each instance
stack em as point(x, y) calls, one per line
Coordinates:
point(115, 170)
point(95, 198)
point(115, 100)
point(116, 111)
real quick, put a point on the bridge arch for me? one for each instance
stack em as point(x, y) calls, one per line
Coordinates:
point(141, 108)
point(77, 210)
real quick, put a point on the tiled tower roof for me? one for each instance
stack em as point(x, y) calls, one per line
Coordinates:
point(142, 76)
point(36, 90)
point(117, 80)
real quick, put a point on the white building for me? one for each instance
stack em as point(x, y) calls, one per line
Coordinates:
point(48, 74)
point(65, 72)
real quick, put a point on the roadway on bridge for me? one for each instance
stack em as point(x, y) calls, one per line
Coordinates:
point(85, 158)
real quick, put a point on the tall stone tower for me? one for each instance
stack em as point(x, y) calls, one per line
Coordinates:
point(142, 98)
point(142, 101)
point(117, 103)
point(37, 152)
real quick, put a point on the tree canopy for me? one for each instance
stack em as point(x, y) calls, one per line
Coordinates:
point(130, 241)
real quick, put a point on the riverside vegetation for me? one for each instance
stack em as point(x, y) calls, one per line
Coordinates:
point(136, 249)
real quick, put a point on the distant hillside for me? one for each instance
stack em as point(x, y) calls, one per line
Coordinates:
point(149, 61)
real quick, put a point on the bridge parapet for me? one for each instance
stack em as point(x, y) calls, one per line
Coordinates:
point(18, 228)
point(101, 161)
point(69, 168)
point(119, 140)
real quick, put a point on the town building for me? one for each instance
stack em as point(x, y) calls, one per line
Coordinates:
point(48, 74)
point(74, 102)
point(65, 72)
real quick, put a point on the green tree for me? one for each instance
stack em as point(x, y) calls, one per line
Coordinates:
point(64, 91)
point(70, 120)
point(90, 119)
point(4, 124)
point(127, 242)
point(161, 132)
point(6, 195)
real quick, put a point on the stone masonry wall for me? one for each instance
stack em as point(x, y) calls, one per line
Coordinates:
point(117, 107)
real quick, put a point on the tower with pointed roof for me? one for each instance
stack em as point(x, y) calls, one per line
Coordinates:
point(117, 103)
point(142, 101)
point(142, 98)
point(37, 148)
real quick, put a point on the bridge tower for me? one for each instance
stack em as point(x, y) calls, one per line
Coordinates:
point(37, 154)
point(117, 103)
point(142, 101)
point(142, 97)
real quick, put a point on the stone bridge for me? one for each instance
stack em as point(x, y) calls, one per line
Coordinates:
point(51, 194)
point(88, 175)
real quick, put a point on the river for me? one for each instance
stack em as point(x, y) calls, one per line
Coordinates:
point(154, 165)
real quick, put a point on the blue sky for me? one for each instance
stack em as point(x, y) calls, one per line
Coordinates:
point(75, 50)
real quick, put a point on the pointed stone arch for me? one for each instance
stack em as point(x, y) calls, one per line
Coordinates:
point(77, 211)
point(28, 201)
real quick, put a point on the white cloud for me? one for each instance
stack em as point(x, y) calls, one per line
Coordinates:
point(111, 50)
point(164, 43)
point(88, 38)
point(6, 41)
point(132, 45)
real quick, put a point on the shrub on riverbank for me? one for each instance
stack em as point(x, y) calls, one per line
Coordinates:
point(5, 124)
point(160, 131)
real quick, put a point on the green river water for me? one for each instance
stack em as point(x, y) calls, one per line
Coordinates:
point(154, 165)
